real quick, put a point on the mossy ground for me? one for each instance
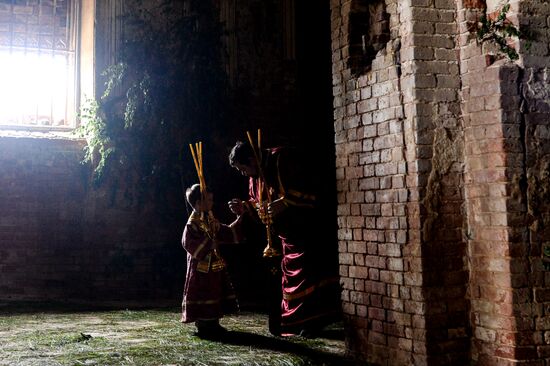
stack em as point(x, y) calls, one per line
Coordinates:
point(73, 336)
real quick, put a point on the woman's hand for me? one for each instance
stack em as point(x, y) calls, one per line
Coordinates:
point(276, 207)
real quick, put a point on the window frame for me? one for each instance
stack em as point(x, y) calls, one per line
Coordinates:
point(83, 74)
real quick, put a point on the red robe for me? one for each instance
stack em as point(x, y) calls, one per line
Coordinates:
point(208, 292)
point(310, 281)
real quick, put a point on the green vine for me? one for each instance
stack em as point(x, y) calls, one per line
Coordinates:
point(94, 128)
point(167, 88)
point(499, 31)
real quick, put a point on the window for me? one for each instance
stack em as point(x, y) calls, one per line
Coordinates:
point(38, 43)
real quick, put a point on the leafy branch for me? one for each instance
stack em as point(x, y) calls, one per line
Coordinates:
point(97, 128)
point(166, 88)
point(499, 30)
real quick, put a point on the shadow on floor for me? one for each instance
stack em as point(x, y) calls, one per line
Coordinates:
point(318, 357)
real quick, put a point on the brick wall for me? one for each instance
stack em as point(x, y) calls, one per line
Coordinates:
point(62, 240)
point(442, 240)
point(487, 191)
point(372, 195)
point(528, 89)
point(504, 170)
point(436, 249)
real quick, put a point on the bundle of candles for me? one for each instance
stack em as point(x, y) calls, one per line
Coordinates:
point(197, 159)
point(215, 261)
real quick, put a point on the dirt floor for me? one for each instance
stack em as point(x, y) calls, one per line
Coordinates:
point(31, 335)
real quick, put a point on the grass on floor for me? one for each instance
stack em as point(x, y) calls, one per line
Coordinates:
point(152, 337)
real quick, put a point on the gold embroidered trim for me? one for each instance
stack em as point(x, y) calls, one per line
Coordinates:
point(301, 321)
point(208, 302)
point(200, 247)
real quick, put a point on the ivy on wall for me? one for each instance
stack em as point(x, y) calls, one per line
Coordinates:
point(499, 30)
point(166, 89)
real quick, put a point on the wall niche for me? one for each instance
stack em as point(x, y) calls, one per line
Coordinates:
point(369, 32)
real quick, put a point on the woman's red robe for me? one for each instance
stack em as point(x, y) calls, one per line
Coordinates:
point(310, 282)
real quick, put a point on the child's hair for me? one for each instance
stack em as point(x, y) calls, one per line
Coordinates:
point(193, 194)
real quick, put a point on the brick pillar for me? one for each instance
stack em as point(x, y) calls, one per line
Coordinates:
point(399, 158)
point(534, 94)
point(454, 197)
point(372, 196)
point(505, 165)
point(435, 253)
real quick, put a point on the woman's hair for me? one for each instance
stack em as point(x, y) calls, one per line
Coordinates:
point(193, 194)
point(240, 153)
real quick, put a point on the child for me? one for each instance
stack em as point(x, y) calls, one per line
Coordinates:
point(208, 293)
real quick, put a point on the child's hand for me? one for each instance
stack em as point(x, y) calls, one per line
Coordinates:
point(215, 225)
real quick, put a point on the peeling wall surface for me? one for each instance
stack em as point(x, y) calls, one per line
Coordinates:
point(442, 168)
